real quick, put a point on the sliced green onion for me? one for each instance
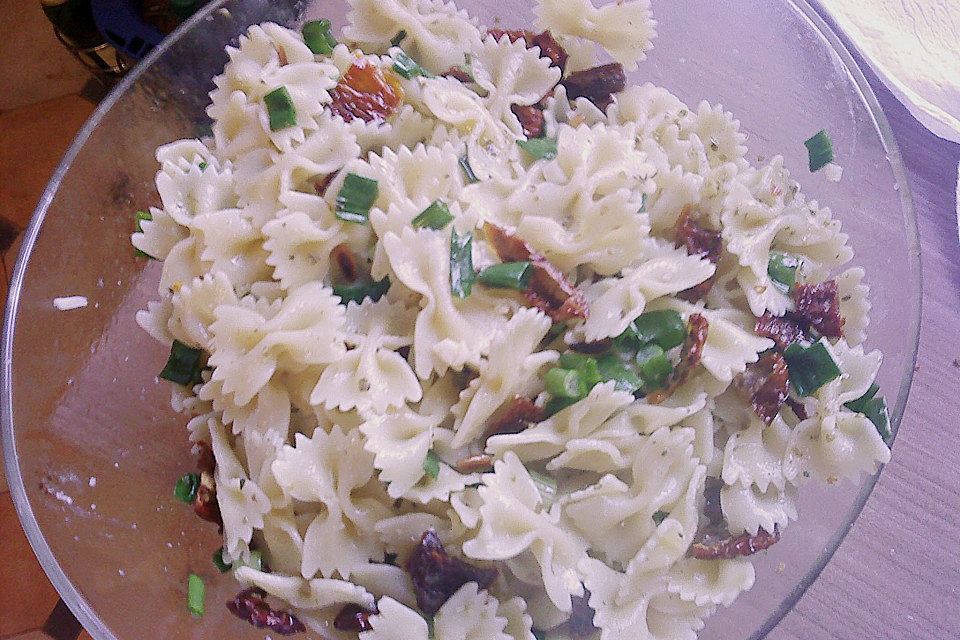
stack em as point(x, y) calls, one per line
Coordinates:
point(556, 405)
point(196, 594)
point(318, 38)
point(183, 366)
point(547, 487)
point(655, 367)
point(540, 148)
point(509, 275)
point(140, 217)
point(397, 39)
point(202, 166)
point(467, 169)
point(280, 109)
point(186, 488)
point(611, 368)
point(255, 561)
point(664, 328)
point(408, 67)
point(564, 383)
point(643, 203)
point(875, 409)
point(359, 291)
point(810, 367)
point(436, 216)
point(660, 516)
point(782, 269)
point(222, 565)
point(584, 365)
point(431, 464)
point(819, 150)
point(858, 405)
point(462, 274)
point(555, 331)
point(356, 197)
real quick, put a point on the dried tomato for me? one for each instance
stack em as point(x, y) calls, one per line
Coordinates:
point(354, 618)
point(250, 605)
point(783, 330)
point(457, 73)
point(531, 119)
point(475, 464)
point(549, 290)
point(366, 92)
point(517, 415)
point(437, 575)
point(592, 348)
point(690, 355)
point(345, 259)
point(766, 383)
point(549, 47)
point(205, 503)
point(714, 548)
point(597, 84)
point(698, 241)
point(819, 305)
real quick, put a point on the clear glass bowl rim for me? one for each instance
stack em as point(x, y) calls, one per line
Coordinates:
point(78, 604)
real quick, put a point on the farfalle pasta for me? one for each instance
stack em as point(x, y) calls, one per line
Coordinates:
point(476, 342)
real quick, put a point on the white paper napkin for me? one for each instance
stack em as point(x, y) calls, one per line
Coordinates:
point(914, 46)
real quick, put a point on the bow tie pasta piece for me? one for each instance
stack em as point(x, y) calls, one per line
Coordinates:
point(746, 508)
point(269, 410)
point(259, 450)
point(394, 621)
point(385, 580)
point(251, 348)
point(159, 235)
point(854, 305)
point(194, 308)
point(470, 614)
point(284, 542)
point(459, 108)
point(300, 240)
point(511, 74)
point(305, 594)
point(512, 521)
point(519, 624)
point(333, 469)
point(755, 455)
point(511, 369)
point(438, 34)
point(586, 419)
point(404, 130)
point(191, 181)
point(705, 582)
point(624, 29)
point(449, 334)
point(615, 302)
point(400, 442)
point(230, 241)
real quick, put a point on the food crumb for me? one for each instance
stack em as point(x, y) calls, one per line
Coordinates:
point(781, 567)
point(122, 573)
point(93, 506)
point(92, 482)
point(68, 303)
point(833, 172)
point(956, 363)
point(62, 497)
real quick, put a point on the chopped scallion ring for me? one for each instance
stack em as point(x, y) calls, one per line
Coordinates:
point(140, 217)
point(196, 595)
point(356, 197)
point(436, 216)
point(222, 565)
point(509, 275)
point(462, 274)
point(564, 383)
point(875, 409)
point(255, 561)
point(664, 328)
point(584, 365)
point(655, 367)
point(819, 150)
point(183, 366)
point(280, 109)
point(318, 38)
point(397, 39)
point(467, 169)
point(408, 67)
point(611, 368)
point(431, 465)
point(810, 367)
point(782, 269)
point(540, 148)
point(187, 487)
point(660, 516)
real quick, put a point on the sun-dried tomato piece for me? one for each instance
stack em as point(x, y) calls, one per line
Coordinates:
point(321, 184)
point(819, 305)
point(581, 616)
point(715, 548)
point(515, 416)
point(250, 605)
point(549, 289)
point(531, 119)
point(550, 48)
point(597, 84)
point(711, 500)
point(205, 460)
point(766, 383)
point(343, 256)
point(205, 504)
point(474, 464)
point(458, 73)
point(698, 240)
point(437, 575)
point(783, 330)
point(354, 618)
point(592, 348)
point(690, 355)
point(798, 409)
point(366, 92)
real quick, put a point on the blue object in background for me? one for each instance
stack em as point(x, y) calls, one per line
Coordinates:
point(120, 23)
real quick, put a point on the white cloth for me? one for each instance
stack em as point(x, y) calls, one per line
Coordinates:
point(913, 46)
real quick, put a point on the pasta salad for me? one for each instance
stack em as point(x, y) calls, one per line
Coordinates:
point(477, 342)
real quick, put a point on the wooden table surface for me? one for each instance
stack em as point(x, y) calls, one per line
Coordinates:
point(896, 575)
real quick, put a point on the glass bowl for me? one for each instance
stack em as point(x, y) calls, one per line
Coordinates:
point(91, 446)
